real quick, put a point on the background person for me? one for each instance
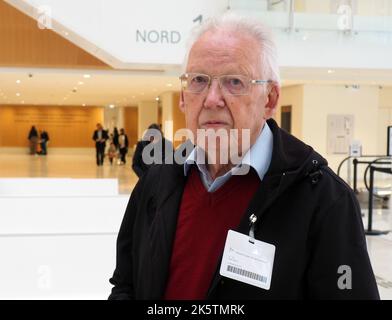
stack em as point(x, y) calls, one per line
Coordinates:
point(33, 140)
point(115, 138)
point(152, 135)
point(44, 139)
point(100, 136)
point(123, 146)
point(112, 152)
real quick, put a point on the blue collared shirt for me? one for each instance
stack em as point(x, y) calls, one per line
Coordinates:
point(258, 157)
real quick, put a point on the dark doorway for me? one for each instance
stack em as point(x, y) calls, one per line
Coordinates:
point(286, 118)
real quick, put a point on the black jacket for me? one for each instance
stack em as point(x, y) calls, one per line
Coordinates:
point(33, 133)
point(44, 137)
point(138, 165)
point(105, 137)
point(304, 209)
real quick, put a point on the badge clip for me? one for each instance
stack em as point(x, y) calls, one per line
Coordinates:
point(252, 220)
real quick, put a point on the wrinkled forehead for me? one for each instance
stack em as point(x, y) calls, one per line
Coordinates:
point(227, 49)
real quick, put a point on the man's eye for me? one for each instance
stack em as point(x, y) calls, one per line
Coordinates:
point(236, 82)
point(199, 79)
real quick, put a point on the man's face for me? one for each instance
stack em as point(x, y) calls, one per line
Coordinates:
point(227, 53)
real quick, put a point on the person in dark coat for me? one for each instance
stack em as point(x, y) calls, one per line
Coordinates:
point(123, 145)
point(33, 140)
point(276, 223)
point(115, 138)
point(44, 139)
point(153, 135)
point(100, 136)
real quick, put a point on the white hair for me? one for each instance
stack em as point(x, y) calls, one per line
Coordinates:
point(242, 25)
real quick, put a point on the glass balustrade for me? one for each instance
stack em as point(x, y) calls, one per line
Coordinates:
point(341, 15)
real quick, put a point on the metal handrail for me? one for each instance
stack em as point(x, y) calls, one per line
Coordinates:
point(376, 161)
point(349, 157)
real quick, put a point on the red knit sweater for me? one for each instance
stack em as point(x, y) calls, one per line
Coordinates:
point(202, 226)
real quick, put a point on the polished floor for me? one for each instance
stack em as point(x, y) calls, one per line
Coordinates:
point(83, 166)
point(67, 166)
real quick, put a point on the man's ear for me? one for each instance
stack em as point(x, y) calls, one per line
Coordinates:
point(272, 103)
point(181, 104)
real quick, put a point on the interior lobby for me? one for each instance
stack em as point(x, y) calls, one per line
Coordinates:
point(118, 63)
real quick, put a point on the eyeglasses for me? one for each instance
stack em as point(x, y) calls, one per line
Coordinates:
point(229, 84)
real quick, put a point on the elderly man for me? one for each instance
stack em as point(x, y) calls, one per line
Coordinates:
point(286, 228)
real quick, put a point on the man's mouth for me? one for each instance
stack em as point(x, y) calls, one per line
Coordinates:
point(214, 124)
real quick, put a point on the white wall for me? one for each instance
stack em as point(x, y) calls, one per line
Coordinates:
point(292, 95)
point(167, 109)
point(322, 100)
point(386, 97)
point(147, 114)
point(113, 117)
point(384, 118)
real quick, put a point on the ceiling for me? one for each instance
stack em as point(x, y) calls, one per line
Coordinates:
point(82, 87)
point(127, 88)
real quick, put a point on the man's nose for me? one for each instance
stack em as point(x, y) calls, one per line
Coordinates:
point(214, 96)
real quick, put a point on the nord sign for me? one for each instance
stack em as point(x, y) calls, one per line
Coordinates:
point(154, 36)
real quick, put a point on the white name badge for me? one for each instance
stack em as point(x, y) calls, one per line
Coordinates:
point(248, 262)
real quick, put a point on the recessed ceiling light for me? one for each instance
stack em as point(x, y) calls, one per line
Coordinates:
point(157, 98)
point(169, 85)
point(80, 83)
point(83, 104)
point(66, 33)
point(86, 76)
point(330, 71)
point(111, 106)
point(18, 94)
point(17, 81)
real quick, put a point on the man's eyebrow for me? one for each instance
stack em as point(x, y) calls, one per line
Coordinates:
point(240, 71)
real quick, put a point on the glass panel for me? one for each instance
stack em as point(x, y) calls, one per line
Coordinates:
point(320, 15)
